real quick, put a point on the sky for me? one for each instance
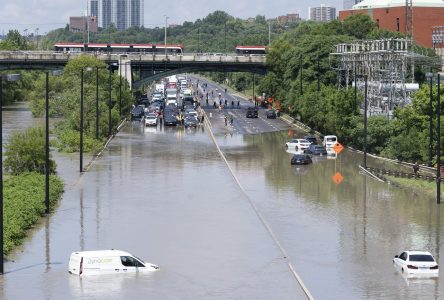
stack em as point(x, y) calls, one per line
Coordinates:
point(46, 15)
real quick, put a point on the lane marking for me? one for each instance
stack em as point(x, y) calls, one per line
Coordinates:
point(262, 219)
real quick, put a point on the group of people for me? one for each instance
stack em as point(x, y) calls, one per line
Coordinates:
point(230, 117)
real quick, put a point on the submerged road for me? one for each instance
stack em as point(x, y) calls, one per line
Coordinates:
point(167, 196)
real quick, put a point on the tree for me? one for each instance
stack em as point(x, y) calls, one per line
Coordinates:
point(25, 152)
point(359, 25)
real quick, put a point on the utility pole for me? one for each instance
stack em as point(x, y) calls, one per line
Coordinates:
point(438, 146)
point(166, 25)
point(269, 33)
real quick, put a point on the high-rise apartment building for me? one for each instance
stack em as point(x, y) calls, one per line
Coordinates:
point(94, 8)
point(322, 13)
point(120, 13)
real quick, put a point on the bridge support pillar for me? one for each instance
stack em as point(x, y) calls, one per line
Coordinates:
point(125, 71)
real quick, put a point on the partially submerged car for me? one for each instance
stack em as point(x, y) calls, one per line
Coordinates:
point(414, 262)
point(99, 262)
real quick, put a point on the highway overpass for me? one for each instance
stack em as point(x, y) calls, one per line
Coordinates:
point(138, 68)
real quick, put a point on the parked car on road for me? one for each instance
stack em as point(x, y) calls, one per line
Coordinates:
point(301, 159)
point(271, 114)
point(316, 150)
point(416, 263)
point(297, 144)
point(252, 112)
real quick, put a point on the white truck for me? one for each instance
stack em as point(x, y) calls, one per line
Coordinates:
point(99, 262)
point(160, 88)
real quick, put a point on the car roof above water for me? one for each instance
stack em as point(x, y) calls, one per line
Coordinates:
point(96, 253)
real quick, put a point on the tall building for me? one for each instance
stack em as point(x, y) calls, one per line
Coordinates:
point(94, 8)
point(121, 13)
point(322, 13)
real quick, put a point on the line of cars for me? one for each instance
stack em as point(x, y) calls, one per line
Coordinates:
point(307, 147)
point(252, 112)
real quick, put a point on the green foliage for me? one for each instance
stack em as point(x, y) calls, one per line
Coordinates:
point(14, 41)
point(24, 204)
point(209, 34)
point(64, 102)
point(25, 152)
point(359, 26)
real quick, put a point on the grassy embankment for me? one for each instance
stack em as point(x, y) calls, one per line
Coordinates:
point(416, 186)
point(24, 204)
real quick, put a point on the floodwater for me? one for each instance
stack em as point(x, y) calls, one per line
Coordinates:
point(166, 196)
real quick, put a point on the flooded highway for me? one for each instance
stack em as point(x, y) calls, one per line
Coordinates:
point(166, 196)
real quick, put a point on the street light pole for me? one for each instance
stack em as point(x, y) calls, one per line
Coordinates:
point(120, 90)
point(430, 76)
point(110, 101)
point(356, 87)
point(81, 121)
point(269, 34)
point(319, 75)
point(166, 25)
point(300, 77)
point(47, 144)
point(97, 103)
point(1, 174)
point(438, 146)
point(365, 122)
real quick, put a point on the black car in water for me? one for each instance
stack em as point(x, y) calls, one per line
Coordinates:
point(252, 112)
point(316, 150)
point(271, 114)
point(301, 159)
point(170, 119)
point(137, 112)
point(190, 121)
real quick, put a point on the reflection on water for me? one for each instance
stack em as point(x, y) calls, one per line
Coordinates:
point(351, 228)
point(165, 195)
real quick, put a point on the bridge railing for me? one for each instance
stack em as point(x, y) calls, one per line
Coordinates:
point(186, 57)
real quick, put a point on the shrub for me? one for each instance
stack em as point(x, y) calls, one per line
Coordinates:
point(24, 204)
point(25, 152)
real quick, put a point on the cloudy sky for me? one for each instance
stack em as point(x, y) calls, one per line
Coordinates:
point(50, 14)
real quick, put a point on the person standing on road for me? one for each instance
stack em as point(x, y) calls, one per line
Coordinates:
point(226, 101)
point(238, 103)
point(225, 119)
point(231, 120)
point(232, 103)
point(225, 90)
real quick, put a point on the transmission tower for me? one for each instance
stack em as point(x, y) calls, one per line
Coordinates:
point(385, 63)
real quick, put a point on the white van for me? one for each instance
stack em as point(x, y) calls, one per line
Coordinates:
point(106, 262)
point(329, 141)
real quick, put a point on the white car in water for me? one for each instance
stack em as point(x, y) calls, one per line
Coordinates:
point(415, 262)
point(150, 119)
point(298, 144)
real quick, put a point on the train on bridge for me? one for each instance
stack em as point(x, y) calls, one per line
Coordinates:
point(120, 48)
point(173, 49)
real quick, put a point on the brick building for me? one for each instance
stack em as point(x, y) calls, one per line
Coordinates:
point(289, 18)
point(79, 24)
point(391, 15)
